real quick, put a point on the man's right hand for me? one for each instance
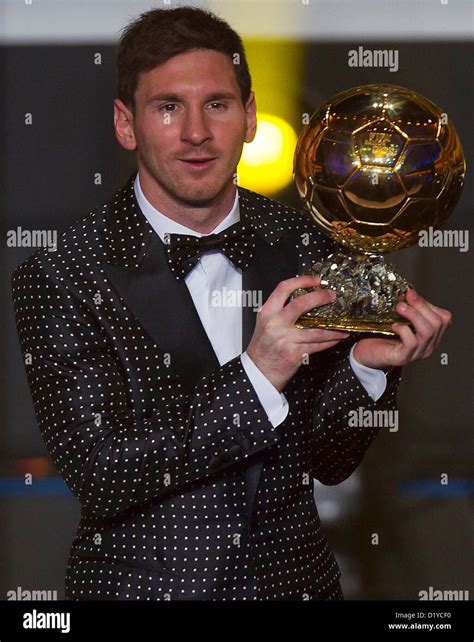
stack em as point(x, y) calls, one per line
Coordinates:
point(277, 348)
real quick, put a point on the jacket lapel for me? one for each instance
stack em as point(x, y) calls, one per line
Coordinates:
point(161, 303)
point(269, 266)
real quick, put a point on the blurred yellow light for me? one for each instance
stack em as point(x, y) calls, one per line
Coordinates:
point(266, 165)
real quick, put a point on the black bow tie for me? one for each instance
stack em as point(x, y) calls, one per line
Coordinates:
point(237, 242)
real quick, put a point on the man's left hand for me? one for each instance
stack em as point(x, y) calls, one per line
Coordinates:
point(429, 323)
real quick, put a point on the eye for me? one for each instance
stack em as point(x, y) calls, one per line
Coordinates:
point(217, 105)
point(164, 107)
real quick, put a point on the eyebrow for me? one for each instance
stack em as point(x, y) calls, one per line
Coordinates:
point(180, 98)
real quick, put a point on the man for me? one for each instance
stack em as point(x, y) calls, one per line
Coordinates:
point(189, 432)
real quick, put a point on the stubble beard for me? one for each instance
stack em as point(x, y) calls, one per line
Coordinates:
point(192, 195)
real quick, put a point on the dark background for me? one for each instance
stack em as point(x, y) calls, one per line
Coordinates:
point(425, 529)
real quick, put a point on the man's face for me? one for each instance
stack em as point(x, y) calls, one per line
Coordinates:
point(190, 126)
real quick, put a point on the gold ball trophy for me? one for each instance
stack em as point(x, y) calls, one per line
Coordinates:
point(374, 166)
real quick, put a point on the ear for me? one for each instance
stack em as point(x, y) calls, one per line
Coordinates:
point(123, 125)
point(251, 112)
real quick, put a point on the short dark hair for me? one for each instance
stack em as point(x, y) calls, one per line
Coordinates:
point(158, 35)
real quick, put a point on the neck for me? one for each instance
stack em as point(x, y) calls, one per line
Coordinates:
point(200, 219)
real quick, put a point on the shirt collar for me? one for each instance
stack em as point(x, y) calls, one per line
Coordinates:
point(162, 224)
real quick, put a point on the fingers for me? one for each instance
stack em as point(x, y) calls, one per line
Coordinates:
point(284, 289)
point(429, 324)
point(318, 335)
point(304, 303)
point(423, 328)
point(440, 318)
point(319, 347)
point(444, 314)
point(404, 351)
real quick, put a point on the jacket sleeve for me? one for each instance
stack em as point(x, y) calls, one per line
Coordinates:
point(111, 460)
point(339, 444)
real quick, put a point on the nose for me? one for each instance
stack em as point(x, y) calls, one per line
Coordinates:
point(195, 128)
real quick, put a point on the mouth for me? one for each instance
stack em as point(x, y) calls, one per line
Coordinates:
point(197, 163)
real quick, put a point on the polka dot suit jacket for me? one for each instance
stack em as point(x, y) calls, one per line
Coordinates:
point(186, 489)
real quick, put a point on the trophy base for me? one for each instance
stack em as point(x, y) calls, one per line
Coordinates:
point(371, 327)
point(367, 287)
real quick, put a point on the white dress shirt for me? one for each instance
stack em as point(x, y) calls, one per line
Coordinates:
point(214, 272)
